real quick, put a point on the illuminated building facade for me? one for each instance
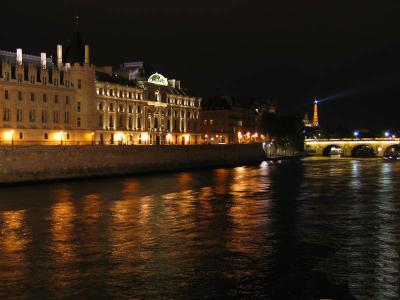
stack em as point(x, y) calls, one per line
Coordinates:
point(70, 101)
point(224, 122)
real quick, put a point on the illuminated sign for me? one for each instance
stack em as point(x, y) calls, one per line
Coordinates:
point(158, 79)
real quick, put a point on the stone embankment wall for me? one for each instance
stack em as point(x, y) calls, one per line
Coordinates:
point(54, 163)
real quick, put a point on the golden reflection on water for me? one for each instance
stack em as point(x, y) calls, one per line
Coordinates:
point(221, 178)
point(249, 215)
point(91, 209)
point(184, 179)
point(14, 238)
point(62, 228)
point(129, 233)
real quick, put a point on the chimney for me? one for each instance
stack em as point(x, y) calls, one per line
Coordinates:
point(178, 84)
point(171, 82)
point(59, 57)
point(19, 56)
point(43, 60)
point(87, 55)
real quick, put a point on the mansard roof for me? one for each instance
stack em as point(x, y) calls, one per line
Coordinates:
point(216, 103)
point(104, 77)
point(27, 59)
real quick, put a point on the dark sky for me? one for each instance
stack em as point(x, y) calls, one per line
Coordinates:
point(291, 51)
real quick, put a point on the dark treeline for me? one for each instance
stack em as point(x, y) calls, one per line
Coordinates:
point(287, 131)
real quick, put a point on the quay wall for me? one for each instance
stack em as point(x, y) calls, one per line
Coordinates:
point(31, 164)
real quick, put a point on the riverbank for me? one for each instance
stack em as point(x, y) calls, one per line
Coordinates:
point(35, 164)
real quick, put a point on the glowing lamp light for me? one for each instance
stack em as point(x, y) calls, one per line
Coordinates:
point(119, 136)
point(379, 148)
point(9, 135)
point(169, 137)
point(58, 136)
point(145, 136)
point(387, 133)
point(356, 133)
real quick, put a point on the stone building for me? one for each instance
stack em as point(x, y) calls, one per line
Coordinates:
point(223, 121)
point(70, 101)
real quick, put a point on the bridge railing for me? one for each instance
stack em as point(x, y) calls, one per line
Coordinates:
point(354, 140)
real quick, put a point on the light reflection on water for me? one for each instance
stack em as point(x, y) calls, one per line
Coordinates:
point(315, 228)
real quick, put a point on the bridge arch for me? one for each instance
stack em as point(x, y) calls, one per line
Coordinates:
point(392, 149)
point(363, 150)
point(331, 150)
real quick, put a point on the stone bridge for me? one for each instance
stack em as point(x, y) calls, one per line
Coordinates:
point(377, 147)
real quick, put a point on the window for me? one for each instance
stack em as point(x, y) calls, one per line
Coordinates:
point(120, 123)
point(121, 108)
point(211, 122)
point(101, 121)
point(130, 109)
point(78, 122)
point(6, 114)
point(44, 116)
point(32, 96)
point(111, 122)
point(44, 98)
point(56, 98)
point(32, 116)
point(79, 84)
point(46, 136)
point(101, 106)
point(67, 100)
point(19, 95)
point(130, 122)
point(205, 122)
point(55, 117)
point(19, 115)
point(6, 95)
point(66, 117)
point(21, 135)
point(78, 106)
point(111, 107)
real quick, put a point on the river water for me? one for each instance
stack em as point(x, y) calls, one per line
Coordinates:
point(307, 229)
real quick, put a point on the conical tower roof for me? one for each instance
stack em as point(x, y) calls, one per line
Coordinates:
point(75, 50)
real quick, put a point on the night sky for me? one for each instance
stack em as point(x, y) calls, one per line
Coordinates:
point(290, 51)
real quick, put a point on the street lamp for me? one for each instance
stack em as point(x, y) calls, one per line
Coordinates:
point(387, 133)
point(12, 137)
point(356, 133)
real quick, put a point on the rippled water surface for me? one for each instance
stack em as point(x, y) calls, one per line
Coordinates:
point(315, 228)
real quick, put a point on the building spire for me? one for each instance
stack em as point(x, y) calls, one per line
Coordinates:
point(315, 122)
